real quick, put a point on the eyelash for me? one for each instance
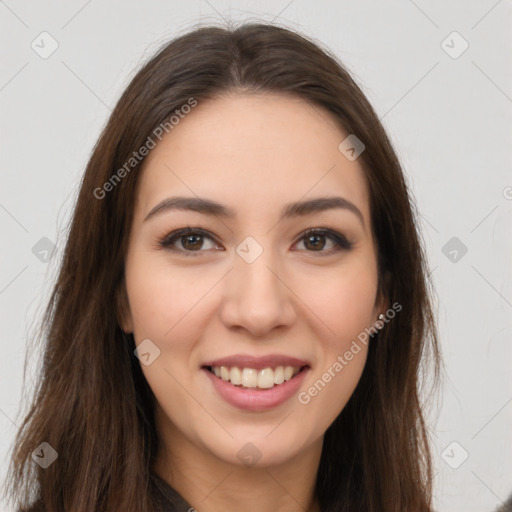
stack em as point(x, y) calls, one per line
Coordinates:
point(340, 241)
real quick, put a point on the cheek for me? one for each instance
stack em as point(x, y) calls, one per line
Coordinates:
point(344, 301)
point(332, 385)
point(162, 297)
point(344, 305)
point(164, 304)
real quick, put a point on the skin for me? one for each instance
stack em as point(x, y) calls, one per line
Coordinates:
point(252, 153)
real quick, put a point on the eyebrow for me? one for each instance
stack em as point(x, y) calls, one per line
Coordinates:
point(296, 209)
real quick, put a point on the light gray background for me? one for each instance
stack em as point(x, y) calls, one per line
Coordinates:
point(449, 119)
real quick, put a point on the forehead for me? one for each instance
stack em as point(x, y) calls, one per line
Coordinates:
point(253, 151)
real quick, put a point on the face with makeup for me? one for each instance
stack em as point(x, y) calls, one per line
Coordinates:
point(266, 261)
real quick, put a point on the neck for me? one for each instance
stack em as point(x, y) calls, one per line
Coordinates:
point(210, 484)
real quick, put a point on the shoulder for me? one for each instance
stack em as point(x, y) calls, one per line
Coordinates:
point(164, 497)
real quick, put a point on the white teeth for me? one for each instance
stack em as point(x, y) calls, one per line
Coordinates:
point(249, 377)
point(252, 378)
point(266, 378)
point(224, 373)
point(279, 375)
point(235, 376)
point(288, 372)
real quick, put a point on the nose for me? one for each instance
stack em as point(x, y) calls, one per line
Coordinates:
point(257, 297)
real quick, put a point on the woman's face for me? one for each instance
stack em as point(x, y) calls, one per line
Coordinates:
point(252, 288)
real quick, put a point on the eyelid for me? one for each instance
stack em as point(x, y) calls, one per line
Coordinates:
point(341, 241)
point(175, 235)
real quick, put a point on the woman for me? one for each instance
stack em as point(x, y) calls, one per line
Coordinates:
point(242, 311)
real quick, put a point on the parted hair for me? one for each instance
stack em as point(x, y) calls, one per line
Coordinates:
point(92, 403)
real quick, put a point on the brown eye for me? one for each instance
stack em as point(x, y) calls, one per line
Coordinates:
point(314, 241)
point(190, 240)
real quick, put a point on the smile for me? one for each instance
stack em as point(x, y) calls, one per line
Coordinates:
point(254, 398)
point(265, 378)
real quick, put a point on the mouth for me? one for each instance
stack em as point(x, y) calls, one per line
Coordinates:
point(253, 378)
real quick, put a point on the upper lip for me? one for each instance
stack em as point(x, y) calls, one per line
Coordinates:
point(258, 363)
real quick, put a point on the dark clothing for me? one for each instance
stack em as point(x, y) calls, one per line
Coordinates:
point(165, 498)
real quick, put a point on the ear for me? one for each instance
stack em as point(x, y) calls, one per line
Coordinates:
point(122, 309)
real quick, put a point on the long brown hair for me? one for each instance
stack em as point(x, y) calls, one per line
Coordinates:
point(92, 403)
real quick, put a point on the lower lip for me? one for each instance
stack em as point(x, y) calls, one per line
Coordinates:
point(254, 399)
